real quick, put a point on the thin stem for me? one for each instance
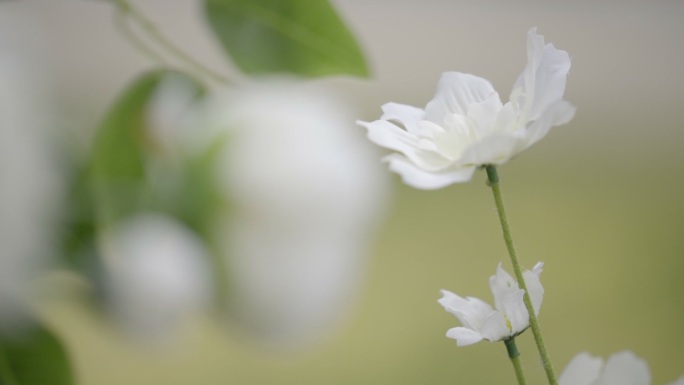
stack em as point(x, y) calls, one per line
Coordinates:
point(7, 376)
point(493, 182)
point(514, 355)
point(148, 26)
point(121, 22)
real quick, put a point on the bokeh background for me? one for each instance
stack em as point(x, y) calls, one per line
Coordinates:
point(600, 201)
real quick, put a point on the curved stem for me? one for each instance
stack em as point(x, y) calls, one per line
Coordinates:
point(514, 355)
point(121, 22)
point(148, 26)
point(493, 182)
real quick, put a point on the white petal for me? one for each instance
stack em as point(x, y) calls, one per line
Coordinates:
point(464, 336)
point(495, 149)
point(494, 327)
point(558, 113)
point(389, 135)
point(456, 91)
point(679, 381)
point(484, 114)
point(502, 285)
point(515, 311)
point(534, 286)
point(421, 179)
point(156, 274)
point(306, 193)
point(407, 115)
point(583, 369)
point(544, 77)
point(472, 312)
point(625, 368)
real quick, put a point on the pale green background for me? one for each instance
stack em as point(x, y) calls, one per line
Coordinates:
point(599, 200)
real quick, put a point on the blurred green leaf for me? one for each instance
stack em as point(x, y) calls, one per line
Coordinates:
point(34, 358)
point(304, 37)
point(118, 171)
point(113, 182)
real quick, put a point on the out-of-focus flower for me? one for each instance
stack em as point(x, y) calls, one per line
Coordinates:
point(305, 194)
point(510, 318)
point(155, 274)
point(622, 368)
point(466, 125)
point(29, 178)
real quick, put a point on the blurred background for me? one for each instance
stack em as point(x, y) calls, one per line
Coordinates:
point(599, 200)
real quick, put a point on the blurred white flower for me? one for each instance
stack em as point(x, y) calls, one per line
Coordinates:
point(510, 318)
point(305, 194)
point(622, 368)
point(466, 125)
point(29, 178)
point(155, 274)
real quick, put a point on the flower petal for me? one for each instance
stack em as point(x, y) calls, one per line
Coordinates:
point(502, 285)
point(464, 336)
point(544, 77)
point(515, 312)
point(393, 137)
point(456, 91)
point(483, 115)
point(583, 369)
point(407, 115)
point(558, 113)
point(534, 286)
point(471, 311)
point(494, 149)
point(389, 135)
point(413, 176)
point(625, 368)
point(494, 328)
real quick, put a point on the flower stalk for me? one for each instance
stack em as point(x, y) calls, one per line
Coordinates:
point(128, 10)
point(493, 182)
point(514, 355)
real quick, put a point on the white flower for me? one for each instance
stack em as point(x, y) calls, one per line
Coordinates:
point(622, 368)
point(510, 318)
point(305, 195)
point(156, 274)
point(466, 125)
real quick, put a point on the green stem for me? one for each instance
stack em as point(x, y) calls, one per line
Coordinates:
point(7, 376)
point(493, 182)
point(148, 26)
point(514, 355)
point(121, 22)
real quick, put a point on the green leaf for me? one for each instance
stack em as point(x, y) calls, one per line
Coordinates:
point(113, 182)
point(117, 169)
point(34, 358)
point(303, 37)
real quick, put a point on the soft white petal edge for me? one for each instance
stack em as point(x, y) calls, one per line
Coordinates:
point(557, 114)
point(471, 311)
point(464, 336)
point(534, 286)
point(415, 177)
point(456, 91)
point(583, 369)
point(494, 327)
point(625, 368)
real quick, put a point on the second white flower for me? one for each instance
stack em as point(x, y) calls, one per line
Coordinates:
point(509, 317)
